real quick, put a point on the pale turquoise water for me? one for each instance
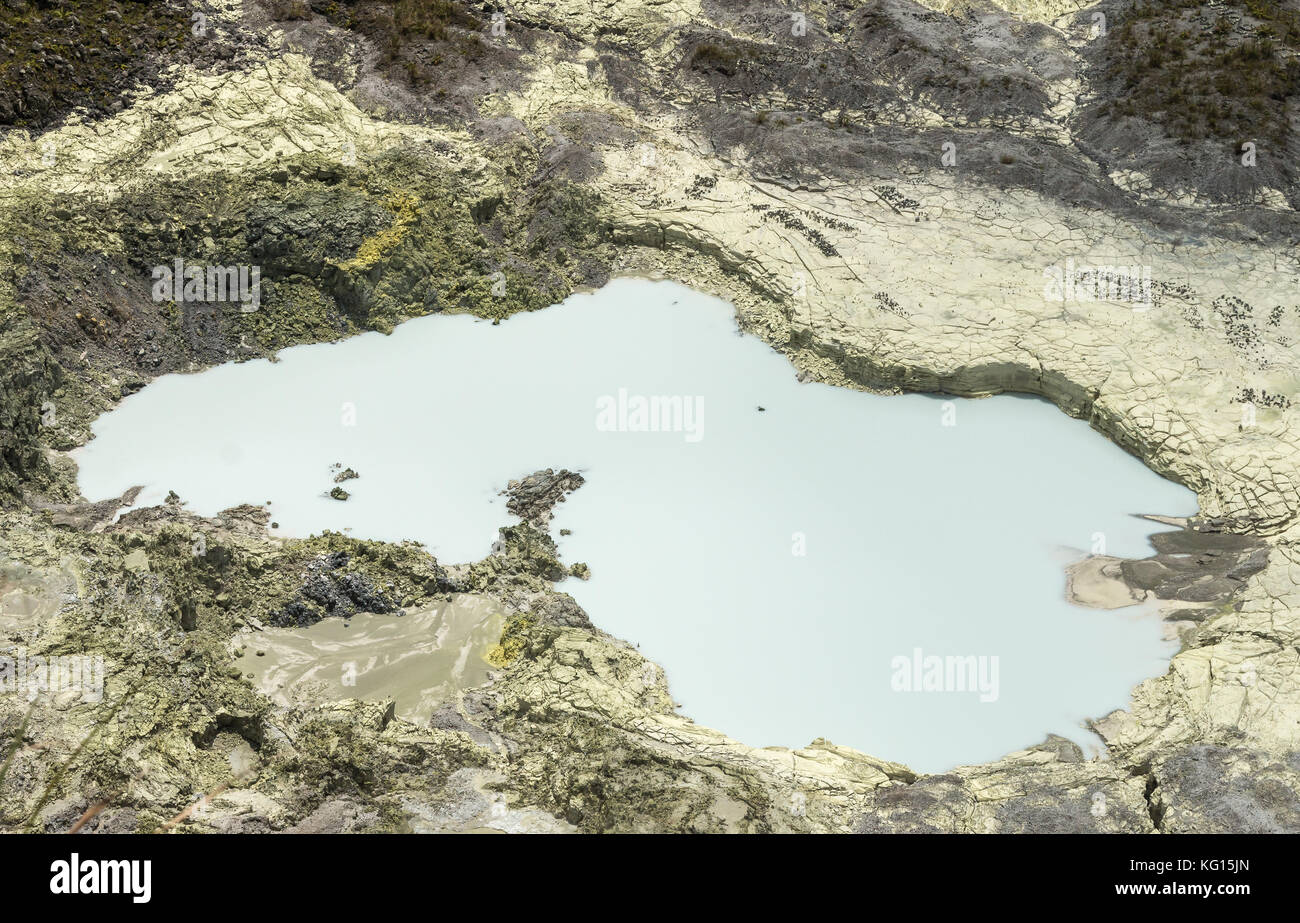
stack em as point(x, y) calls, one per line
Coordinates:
point(951, 539)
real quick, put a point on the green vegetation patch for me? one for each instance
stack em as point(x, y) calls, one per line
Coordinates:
point(56, 57)
point(415, 38)
point(1203, 74)
point(724, 58)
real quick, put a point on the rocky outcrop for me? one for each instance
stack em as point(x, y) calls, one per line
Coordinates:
point(533, 498)
point(28, 381)
point(330, 589)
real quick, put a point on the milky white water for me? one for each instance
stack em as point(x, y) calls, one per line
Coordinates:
point(782, 565)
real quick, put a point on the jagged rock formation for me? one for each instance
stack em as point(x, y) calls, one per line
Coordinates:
point(893, 194)
point(533, 498)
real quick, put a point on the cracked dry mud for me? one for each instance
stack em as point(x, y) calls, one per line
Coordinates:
point(801, 178)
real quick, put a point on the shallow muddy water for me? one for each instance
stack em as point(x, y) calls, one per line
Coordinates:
point(795, 555)
point(420, 660)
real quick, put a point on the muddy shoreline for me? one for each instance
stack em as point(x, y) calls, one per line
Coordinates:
point(1194, 573)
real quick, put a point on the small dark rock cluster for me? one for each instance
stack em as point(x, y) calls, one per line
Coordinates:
point(896, 200)
point(347, 474)
point(330, 590)
point(700, 185)
point(1238, 323)
point(887, 303)
point(1262, 398)
point(789, 220)
point(533, 497)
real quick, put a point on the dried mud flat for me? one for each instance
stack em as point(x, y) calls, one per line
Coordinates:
point(801, 176)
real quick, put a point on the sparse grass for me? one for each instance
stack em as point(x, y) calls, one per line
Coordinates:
point(414, 37)
point(57, 57)
point(712, 56)
point(1202, 81)
point(289, 10)
point(17, 744)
